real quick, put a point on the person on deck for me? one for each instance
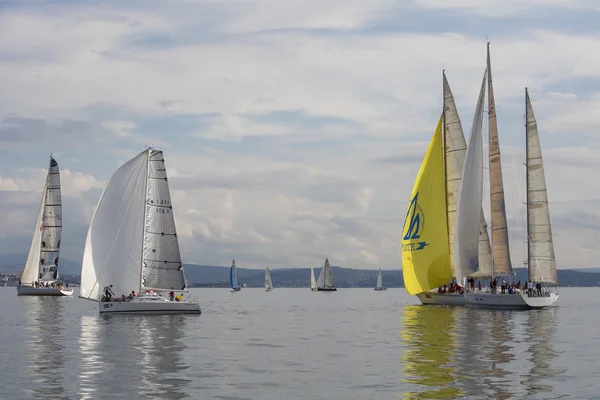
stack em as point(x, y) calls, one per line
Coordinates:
point(171, 295)
point(108, 293)
point(479, 286)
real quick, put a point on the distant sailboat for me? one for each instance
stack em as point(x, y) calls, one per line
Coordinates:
point(233, 278)
point(268, 282)
point(40, 274)
point(379, 285)
point(313, 281)
point(541, 262)
point(325, 281)
point(132, 243)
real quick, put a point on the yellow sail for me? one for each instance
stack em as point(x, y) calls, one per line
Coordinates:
point(425, 251)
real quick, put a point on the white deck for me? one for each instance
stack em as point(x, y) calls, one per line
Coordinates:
point(149, 305)
point(42, 291)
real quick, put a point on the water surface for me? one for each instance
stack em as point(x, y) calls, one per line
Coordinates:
point(297, 344)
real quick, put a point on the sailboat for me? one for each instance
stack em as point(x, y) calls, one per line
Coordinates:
point(132, 244)
point(40, 275)
point(268, 282)
point(233, 278)
point(379, 284)
point(325, 281)
point(428, 250)
point(313, 281)
point(541, 263)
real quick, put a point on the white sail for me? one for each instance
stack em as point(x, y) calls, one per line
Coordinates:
point(114, 243)
point(455, 149)
point(486, 263)
point(313, 281)
point(30, 273)
point(540, 258)
point(325, 280)
point(162, 266)
point(42, 261)
point(379, 284)
point(268, 282)
point(468, 218)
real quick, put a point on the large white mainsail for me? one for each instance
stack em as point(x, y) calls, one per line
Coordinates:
point(162, 264)
point(268, 281)
point(42, 261)
point(132, 241)
point(468, 218)
point(540, 247)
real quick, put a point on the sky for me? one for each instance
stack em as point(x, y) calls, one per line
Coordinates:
point(292, 130)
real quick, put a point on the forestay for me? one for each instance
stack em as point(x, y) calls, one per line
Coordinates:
point(541, 259)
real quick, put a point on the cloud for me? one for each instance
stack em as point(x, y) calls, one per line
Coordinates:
point(291, 133)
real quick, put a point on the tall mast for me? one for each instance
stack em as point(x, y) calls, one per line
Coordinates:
point(445, 166)
point(148, 150)
point(527, 185)
point(500, 244)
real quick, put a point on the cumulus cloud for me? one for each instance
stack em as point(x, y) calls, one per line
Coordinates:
point(291, 133)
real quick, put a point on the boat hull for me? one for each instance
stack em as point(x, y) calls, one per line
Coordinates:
point(326, 290)
point(42, 291)
point(441, 299)
point(380, 289)
point(517, 301)
point(157, 306)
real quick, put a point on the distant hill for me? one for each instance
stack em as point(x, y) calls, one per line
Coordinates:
point(211, 275)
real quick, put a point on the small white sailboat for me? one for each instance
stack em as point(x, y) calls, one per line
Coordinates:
point(541, 262)
point(325, 281)
point(379, 284)
point(313, 281)
point(268, 282)
point(40, 274)
point(132, 244)
point(233, 278)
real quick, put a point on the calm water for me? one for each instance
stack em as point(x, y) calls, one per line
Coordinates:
point(295, 344)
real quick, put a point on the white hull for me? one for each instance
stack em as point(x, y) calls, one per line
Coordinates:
point(42, 291)
point(517, 301)
point(157, 305)
point(442, 299)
